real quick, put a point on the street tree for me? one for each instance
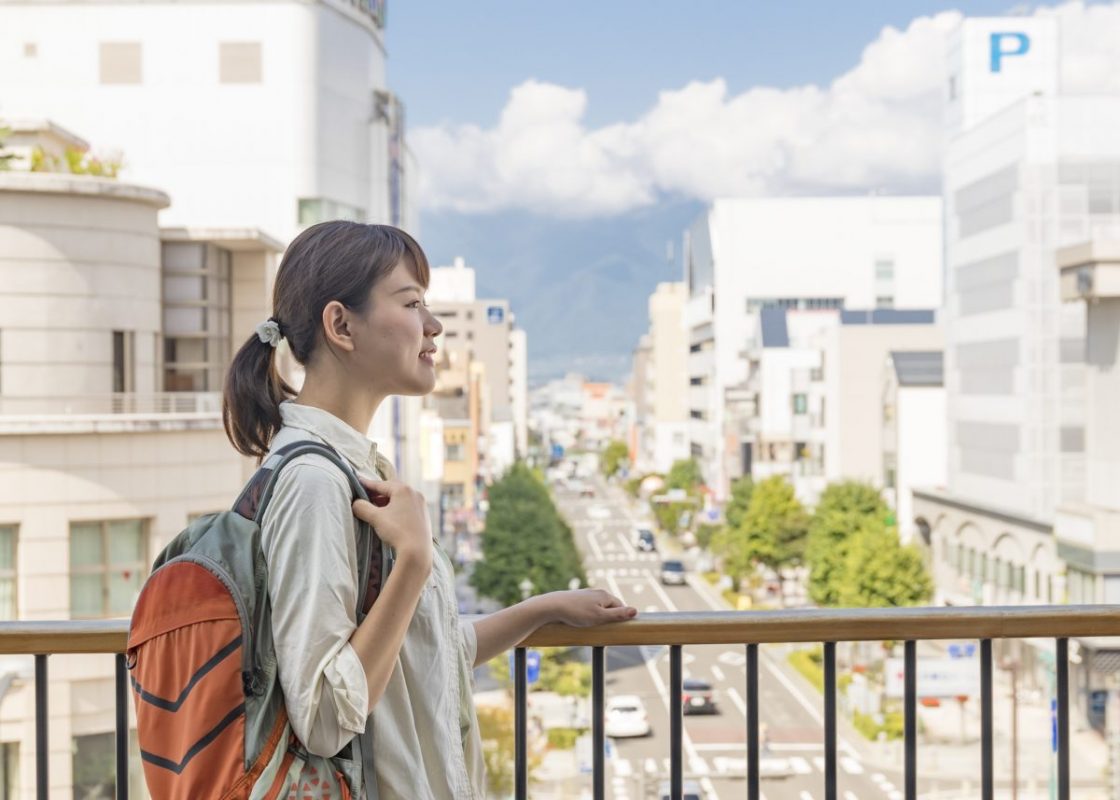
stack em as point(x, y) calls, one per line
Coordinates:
point(843, 510)
point(614, 457)
point(770, 533)
point(880, 571)
point(525, 538)
point(685, 474)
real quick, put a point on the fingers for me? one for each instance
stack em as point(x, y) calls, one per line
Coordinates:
point(380, 487)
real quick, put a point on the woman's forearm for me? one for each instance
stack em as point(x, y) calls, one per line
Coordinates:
point(378, 640)
point(504, 629)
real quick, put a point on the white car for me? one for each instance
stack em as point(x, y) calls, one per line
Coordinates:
point(626, 716)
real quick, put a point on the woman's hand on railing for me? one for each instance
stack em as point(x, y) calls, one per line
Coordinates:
point(582, 608)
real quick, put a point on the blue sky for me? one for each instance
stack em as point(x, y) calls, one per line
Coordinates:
point(457, 61)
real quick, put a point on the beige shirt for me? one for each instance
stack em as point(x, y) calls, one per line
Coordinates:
point(426, 738)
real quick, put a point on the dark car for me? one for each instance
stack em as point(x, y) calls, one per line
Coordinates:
point(644, 541)
point(697, 697)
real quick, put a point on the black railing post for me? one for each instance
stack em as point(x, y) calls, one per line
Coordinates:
point(753, 788)
point(122, 727)
point(676, 724)
point(598, 739)
point(910, 720)
point(520, 726)
point(1061, 657)
point(830, 720)
point(42, 740)
point(987, 776)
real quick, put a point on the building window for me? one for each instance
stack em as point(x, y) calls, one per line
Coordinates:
point(8, 609)
point(318, 209)
point(9, 770)
point(93, 765)
point(697, 414)
point(239, 62)
point(454, 452)
point(120, 63)
point(884, 270)
point(107, 564)
point(196, 316)
point(800, 404)
point(884, 301)
point(124, 362)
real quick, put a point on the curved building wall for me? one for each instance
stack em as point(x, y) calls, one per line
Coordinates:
point(79, 259)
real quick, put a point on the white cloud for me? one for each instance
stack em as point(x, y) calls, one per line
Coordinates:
point(877, 126)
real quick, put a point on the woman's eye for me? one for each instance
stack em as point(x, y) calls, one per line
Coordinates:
point(414, 304)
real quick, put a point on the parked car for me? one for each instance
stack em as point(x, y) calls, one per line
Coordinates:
point(672, 573)
point(691, 791)
point(697, 697)
point(626, 716)
point(644, 541)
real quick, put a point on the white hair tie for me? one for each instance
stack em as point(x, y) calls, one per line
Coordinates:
point(269, 332)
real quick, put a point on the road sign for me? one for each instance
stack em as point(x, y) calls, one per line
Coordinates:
point(962, 649)
point(532, 665)
point(937, 677)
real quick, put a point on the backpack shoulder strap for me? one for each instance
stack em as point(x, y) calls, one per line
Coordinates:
point(254, 498)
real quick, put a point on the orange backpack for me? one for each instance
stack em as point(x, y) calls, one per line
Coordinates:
point(209, 708)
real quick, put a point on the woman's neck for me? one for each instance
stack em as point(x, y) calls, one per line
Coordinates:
point(355, 408)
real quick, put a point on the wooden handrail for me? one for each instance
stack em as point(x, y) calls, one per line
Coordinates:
point(717, 627)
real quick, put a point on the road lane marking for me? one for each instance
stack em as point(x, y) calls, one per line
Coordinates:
point(805, 795)
point(732, 658)
point(718, 673)
point(851, 765)
point(818, 762)
point(737, 699)
point(593, 542)
point(651, 766)
point(800, 765)
point(850, 795)
point(622, 768)
point(669, 606)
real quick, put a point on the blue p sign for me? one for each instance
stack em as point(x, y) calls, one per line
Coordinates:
point(1007, 44)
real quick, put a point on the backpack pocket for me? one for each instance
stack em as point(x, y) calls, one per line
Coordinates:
point(188, 660)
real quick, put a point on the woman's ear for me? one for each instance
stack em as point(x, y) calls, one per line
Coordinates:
point(336, 326)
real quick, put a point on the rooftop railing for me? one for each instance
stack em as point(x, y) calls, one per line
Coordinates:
point(136, 403)
point(677, 631)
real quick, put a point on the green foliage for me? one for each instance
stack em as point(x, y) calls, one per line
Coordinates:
point(668, 515)
point(614, 457)
point(808, 663)
point(771, 532)
point(685, 474)
point(705, 532)
point(892, 725)
point(563, 738)
point(525, 537)
point(881, 572)
point(739, 502)
point(562, 672)
point(5, 132)
point(495, 725)
point(76, 162)
point(843, 510)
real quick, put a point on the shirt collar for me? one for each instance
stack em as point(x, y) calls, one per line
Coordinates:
point(358, 450)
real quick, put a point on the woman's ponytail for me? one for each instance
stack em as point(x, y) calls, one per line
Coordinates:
point(252, 396)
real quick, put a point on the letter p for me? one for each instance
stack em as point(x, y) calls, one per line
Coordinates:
point(1007, 44)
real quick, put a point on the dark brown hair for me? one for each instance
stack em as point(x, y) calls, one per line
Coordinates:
point(336, 260)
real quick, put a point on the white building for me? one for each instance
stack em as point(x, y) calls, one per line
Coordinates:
point(270, 115)
point(913, 438)
point(804, 410)
point(796, 253)
point(1027, 171)
point(659, 384)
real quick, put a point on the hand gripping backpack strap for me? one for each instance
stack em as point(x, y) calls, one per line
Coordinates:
point(285, 455)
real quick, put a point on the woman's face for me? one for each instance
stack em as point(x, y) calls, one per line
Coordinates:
point(394, 337)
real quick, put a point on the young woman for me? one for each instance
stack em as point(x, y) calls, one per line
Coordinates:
point(349, 302)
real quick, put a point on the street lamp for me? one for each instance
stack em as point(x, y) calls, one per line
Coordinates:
point(526, 587)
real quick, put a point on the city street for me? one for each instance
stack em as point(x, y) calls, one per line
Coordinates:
point(714, 745)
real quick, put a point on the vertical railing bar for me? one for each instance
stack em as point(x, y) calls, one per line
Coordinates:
point(42, 770)
point(520, 726)
point(830, 720)
point(987, 785)
point(598, 742)
point(122, 727)
point(676, 725)
point(910, 720)
point(753, 788)
point(1062, 691)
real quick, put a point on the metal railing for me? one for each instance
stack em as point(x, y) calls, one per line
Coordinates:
point(678, 630)
point(138, 403)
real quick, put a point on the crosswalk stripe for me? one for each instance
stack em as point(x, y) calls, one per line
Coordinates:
point(651, 766)
point(622, 768)
point(800, 765)
point(850, 795)
point(851, 766)
point(818, 762)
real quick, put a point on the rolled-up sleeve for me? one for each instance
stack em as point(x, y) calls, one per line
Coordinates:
point(308, 541)
point(469, 637)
